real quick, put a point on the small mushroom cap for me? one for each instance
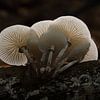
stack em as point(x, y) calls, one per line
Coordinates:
point(11, 40)
point(92, 54)
point(41, 27)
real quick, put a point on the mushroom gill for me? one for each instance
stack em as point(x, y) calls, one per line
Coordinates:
point(11, 40)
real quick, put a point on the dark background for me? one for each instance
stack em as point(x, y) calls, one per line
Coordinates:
point(27, 12)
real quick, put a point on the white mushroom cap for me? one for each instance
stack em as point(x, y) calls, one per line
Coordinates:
point(11, 40)
point(92, 54)
point(41, 27)
point(72, 27)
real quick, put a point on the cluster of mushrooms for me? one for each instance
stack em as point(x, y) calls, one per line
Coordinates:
point(55, 44)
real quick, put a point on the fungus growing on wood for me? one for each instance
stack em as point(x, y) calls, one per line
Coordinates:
point(54, 45)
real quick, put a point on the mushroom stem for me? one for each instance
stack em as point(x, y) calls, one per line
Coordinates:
point(43, 58)
point(25, 51)
point(60, 70)
point(50, 55)
point(67, 66)
point(31, 63)
point(61, 53)
point(51, 51)
point(61, 63)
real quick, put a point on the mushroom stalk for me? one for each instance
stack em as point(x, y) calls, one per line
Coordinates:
point(61, 63)
point(32, 67)
point(25, 51)
point(67, 66)
point(60, 70)
point(50, 55)
point(51, 51)
point(43, 57)
point(61, 53)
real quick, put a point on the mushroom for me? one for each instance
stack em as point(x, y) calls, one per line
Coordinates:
point(91, 55)
point(12, 39)
point(41, 28)
point(80, 40)
point(78, 35)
